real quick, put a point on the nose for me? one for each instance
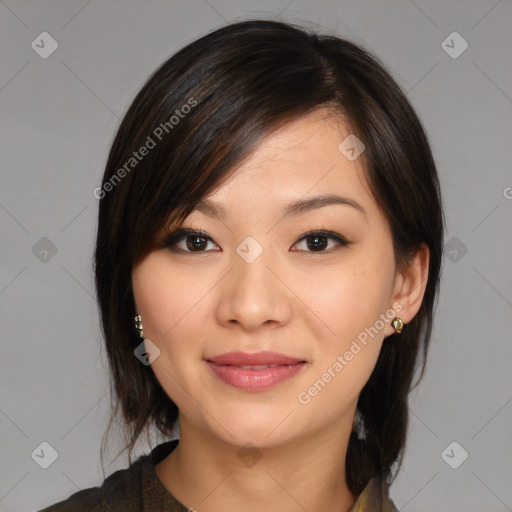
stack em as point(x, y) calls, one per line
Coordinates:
point(253, 295)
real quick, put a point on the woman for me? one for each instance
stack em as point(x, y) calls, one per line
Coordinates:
point(267, 263)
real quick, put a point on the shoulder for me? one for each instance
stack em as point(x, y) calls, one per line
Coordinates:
point(86, 500)
point(375, 497)
point(119, 489)
point(123, 490)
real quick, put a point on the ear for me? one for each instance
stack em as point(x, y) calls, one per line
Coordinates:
point(409, 287)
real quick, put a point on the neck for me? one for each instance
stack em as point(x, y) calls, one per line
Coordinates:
point(208, 474)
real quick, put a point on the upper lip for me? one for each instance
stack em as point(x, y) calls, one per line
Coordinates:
point(255, 358)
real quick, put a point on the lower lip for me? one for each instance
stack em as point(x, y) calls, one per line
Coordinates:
point(254, 380)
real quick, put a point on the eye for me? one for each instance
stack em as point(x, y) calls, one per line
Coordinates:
point(187, 240)
point(318, 241)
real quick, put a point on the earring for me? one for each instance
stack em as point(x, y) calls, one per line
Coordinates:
point(138, 325)
point(358, 426)
point(397, 324)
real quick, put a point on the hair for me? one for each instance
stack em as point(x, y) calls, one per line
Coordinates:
point(205, 110)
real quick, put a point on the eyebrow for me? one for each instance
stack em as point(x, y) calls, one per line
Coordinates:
point(298, 207)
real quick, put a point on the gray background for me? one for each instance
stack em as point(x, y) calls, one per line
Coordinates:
point(59, 116)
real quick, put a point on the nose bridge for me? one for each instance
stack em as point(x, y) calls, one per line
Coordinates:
point(253, 295)
point(251, 277)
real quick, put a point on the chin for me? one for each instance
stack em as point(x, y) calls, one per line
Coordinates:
point(251, 437)
point(263, 432)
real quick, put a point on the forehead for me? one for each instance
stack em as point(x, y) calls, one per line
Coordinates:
point(300, 159)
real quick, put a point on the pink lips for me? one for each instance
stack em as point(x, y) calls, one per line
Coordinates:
point(270, 368)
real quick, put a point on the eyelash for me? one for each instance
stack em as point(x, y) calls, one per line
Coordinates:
point(172, 240)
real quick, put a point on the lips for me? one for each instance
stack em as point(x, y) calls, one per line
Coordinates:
point(254, 359)
point(254, 372)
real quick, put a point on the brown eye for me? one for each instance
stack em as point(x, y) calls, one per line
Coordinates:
point(318, 241)
point(186, 240)
point(195, 242)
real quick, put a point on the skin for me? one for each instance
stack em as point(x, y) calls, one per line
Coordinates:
point(292, 300)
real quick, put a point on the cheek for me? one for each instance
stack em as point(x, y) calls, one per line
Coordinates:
point(344, 358)
point(172, 307)
point(349, 301)
point(349, 298)
point(168, 300)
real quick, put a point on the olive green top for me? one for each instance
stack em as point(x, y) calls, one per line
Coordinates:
point(139, 489)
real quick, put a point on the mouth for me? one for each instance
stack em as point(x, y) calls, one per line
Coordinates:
point(254, 372)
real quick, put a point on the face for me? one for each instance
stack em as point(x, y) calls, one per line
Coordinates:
point(314, 283)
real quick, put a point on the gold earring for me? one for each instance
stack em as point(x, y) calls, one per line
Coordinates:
point(138, 325)
point(397, 324)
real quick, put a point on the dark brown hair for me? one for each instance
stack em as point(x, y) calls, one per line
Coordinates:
point(240, 83)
